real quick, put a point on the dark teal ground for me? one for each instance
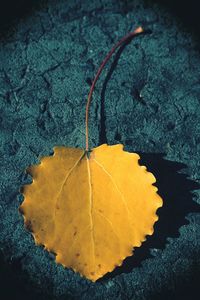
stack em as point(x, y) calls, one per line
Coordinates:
point(147, 99)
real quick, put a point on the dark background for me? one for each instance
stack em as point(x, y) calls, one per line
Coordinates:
point(11, 282)
point(187, 11)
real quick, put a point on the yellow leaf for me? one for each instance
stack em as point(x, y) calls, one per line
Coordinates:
point(90, 211)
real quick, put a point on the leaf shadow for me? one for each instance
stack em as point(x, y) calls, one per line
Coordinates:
point(175, 188)
point(102, 129)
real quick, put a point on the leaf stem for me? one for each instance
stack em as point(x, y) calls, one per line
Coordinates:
point(119, 43)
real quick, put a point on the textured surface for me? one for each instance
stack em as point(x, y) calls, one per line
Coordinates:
point(149, 101)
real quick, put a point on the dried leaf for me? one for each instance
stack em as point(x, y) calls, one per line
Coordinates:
point(90, 211)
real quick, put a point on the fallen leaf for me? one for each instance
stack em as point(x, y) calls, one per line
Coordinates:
point(90, 210)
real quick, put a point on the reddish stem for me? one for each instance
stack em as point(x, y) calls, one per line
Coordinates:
point(119, 43)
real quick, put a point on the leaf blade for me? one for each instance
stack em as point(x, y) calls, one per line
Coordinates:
point(105, 206)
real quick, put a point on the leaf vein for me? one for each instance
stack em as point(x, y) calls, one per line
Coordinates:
point(117, 188)
point(108, 221)
point(91, 208)
point(65, 180)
